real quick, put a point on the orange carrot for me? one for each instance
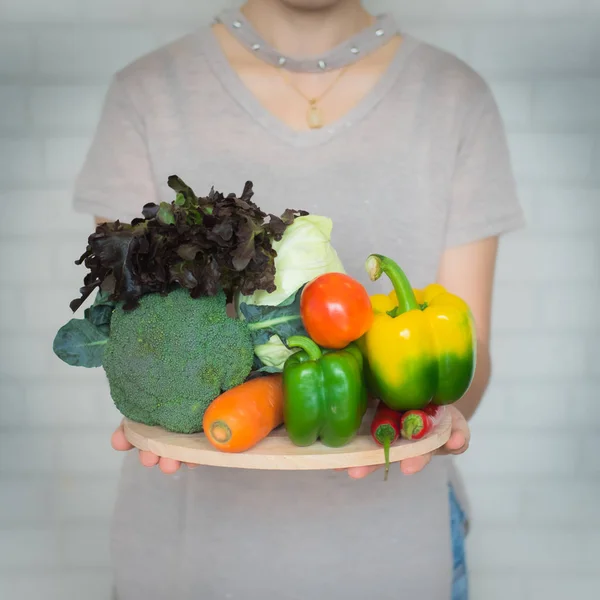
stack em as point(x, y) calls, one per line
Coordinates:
point(244, 415)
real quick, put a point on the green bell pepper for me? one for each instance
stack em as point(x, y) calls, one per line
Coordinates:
point(325, 396)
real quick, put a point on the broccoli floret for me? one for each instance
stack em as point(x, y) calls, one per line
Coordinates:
point(168, 359)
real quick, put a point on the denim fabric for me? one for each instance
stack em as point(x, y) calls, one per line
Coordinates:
point(460, 585)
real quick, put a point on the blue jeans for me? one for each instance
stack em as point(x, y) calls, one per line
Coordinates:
point(460, 587)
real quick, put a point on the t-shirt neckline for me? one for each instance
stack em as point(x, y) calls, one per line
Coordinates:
point(236, 88)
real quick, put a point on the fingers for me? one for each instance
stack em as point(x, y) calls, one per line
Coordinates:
point(118, 440)
point(361, 472)
point(413, 465)
point(148, 459)
point(460, 437)
point(168, 465)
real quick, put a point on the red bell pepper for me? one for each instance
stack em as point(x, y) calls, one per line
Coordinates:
point(385, 430)
point(336, 310)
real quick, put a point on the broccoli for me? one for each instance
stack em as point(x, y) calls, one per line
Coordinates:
point(168, 359)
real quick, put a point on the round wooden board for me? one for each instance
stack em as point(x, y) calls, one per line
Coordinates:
point(276, 452)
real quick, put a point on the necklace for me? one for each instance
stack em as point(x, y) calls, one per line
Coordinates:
point(345, 54)
point(314, 114)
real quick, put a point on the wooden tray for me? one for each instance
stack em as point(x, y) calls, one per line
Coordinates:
point(276, 452)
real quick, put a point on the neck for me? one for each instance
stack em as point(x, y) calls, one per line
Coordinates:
point(305, 32)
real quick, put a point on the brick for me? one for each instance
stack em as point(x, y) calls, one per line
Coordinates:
point(25, 501)
point(548, 259)
point(62, 585)
point(567, 585)
point(12, 311)
point(494, 407)
point(20, 160)
point(86, 546)
point(26, 356)
point(182, 10)
point(562, 502)
point(551, 157)
point(514, 99)
point(114, 10)
point(64, 157)
point(593, 358)
point(166, 34)
point(591, 456)
point(520, 453)
point(494, 501)
point(552, 8)
point(68, 107)
point(66, 405)
point(494, 586)
point(28, 548)
point(55, 313)
point(12, 405)
point(39, 11)
point(540, 355)
point(15, 53)
point(26, 452)
point(582, 315)
point(515, 307)
point(456, 8)
point(53, 213)
point(90, 498)
point(448, 38)
point(100, 52)
point(502, 548)
point(66, 272)
point(572, 210)
point(13, 100)
point(568, 102)
point(551, 405)
point(90, 451)
point(533, 47)
point(107, 413)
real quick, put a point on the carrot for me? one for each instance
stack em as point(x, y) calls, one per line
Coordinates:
point(241, 417)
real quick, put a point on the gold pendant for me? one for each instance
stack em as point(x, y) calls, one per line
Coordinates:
point(314, 116)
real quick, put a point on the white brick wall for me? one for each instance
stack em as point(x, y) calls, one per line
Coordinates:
point(534, 469)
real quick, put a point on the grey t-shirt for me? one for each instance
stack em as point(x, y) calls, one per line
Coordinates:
point(420, 165)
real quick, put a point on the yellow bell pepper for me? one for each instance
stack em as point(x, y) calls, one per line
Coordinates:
point(421, 347)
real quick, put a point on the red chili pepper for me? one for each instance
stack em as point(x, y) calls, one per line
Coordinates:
point(433, 410)
point(415, 424)
point(385, 430)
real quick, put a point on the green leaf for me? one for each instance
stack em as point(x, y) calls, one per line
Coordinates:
point(180, 199)
point(100, 313)
point(265, 321)
point(80, 343)
point(165, 214)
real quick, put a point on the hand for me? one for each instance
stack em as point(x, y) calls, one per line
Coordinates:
point(456, 444)
point(148, 459)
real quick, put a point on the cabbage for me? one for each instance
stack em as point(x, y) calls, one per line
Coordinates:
point(303, 253)
point(274, 353)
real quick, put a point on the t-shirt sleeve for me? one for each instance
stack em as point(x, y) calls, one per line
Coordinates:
point(116, 179)
point(484, 200)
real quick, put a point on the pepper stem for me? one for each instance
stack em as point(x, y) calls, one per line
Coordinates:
point(301, 341)
point(385, 434)
point(376, 265)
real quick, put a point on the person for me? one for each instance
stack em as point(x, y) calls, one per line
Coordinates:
point(337, 111)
